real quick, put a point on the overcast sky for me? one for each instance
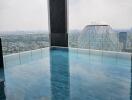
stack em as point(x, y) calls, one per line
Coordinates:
point(117, 13)
point(33, 14)
point(23, 15)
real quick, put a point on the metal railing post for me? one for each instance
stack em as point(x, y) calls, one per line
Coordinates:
point(2, 93)
point(1, 55)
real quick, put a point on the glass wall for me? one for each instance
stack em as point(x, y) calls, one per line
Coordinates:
point(23, 25)
point(100, 24)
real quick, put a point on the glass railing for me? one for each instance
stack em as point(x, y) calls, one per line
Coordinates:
point(12, 43)
point(107, 41)
point(25, 57)
point(101, 38)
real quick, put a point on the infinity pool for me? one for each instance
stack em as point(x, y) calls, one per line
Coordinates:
point(68, 74)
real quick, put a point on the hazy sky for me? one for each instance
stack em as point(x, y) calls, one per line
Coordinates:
point(33, 14)
point(117, 13)
point(23, 15)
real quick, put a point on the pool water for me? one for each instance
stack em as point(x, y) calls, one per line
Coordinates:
point(68, 74)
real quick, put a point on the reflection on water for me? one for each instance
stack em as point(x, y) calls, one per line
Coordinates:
point(29, 80)
point(99, 76)
point(60, 78)
point(69, 74)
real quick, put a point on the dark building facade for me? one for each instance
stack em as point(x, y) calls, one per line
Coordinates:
point(123, 39)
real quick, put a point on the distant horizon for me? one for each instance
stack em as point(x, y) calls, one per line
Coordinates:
point(23, 30)
point(67, 30)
